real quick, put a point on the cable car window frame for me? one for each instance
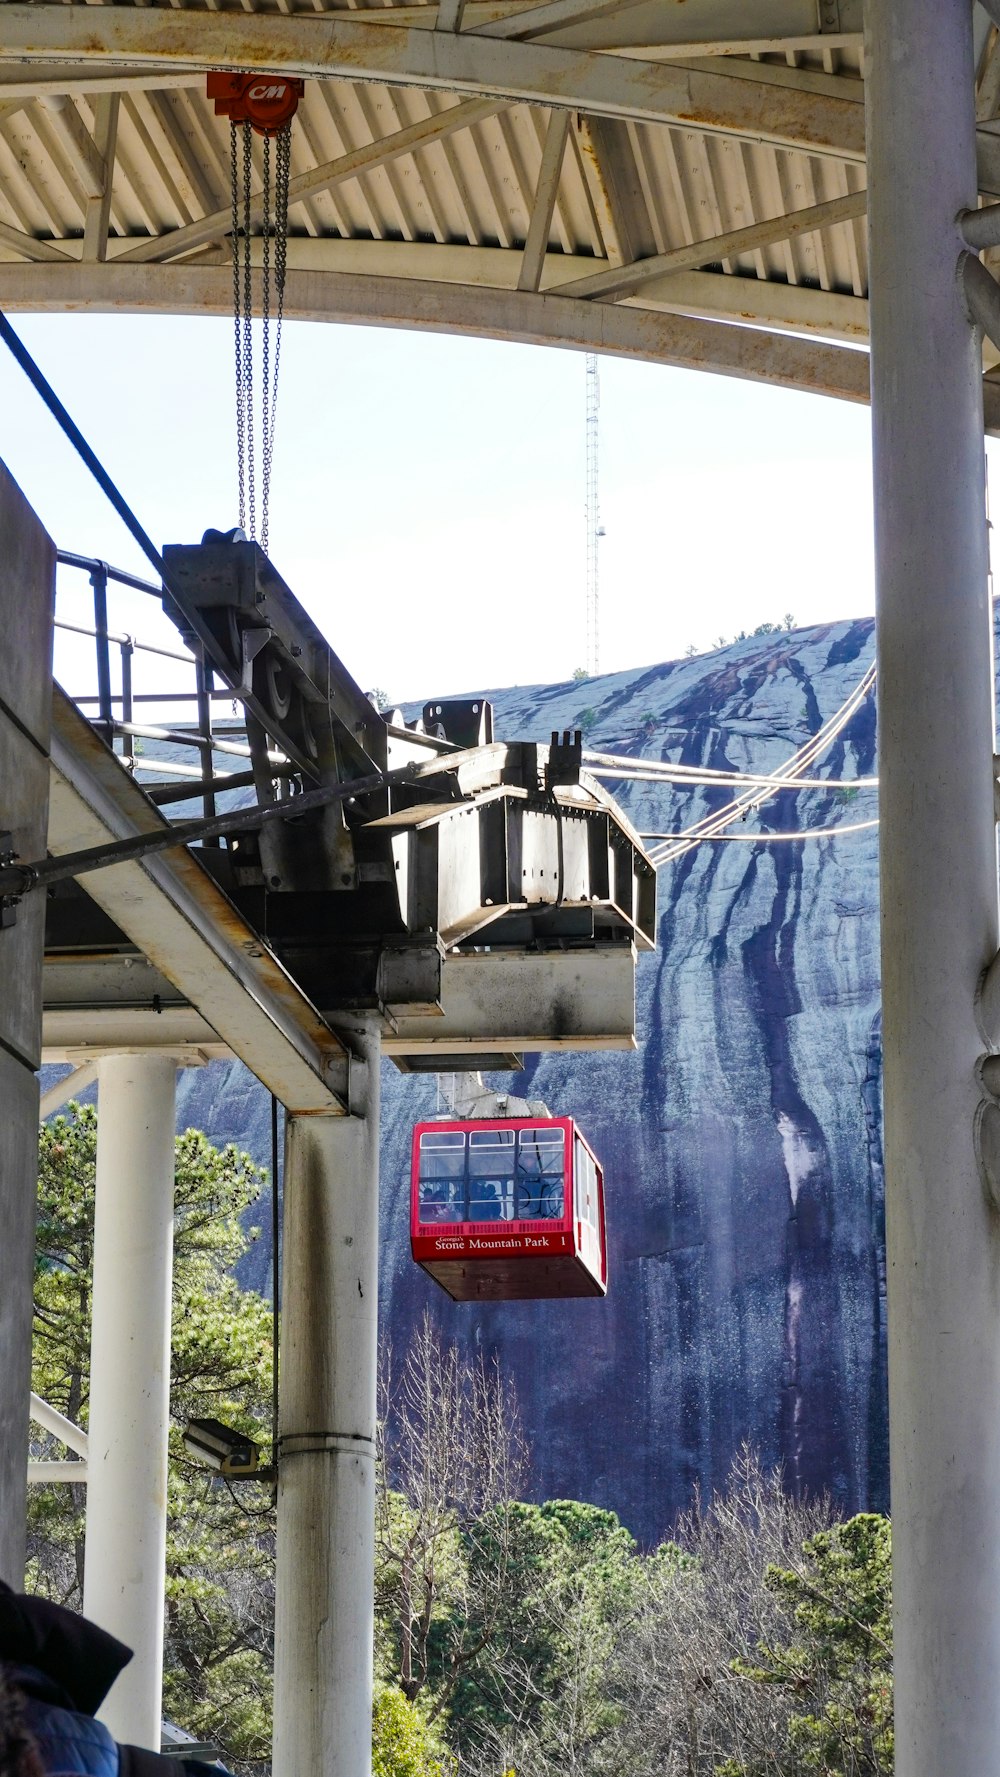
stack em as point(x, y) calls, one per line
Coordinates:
point(517, 1190)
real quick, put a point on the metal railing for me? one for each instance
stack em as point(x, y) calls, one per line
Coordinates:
point(116, 714)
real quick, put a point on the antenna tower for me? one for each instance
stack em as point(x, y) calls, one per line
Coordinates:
point(593, 513)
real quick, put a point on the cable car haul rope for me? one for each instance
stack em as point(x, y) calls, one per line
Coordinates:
point(262, 105)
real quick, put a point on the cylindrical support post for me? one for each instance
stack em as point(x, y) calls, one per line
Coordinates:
point(326, 1500)
point(130, 1379)
point(938, 888)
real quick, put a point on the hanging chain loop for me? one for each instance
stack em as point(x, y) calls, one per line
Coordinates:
point(272, 203)
point(241, 390)
point(265, 356)
point(283, 151)
point(251, 502)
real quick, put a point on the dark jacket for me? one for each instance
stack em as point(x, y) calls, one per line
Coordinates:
point(65, 1667)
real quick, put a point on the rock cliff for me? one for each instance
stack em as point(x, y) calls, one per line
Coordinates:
point(741, 1142)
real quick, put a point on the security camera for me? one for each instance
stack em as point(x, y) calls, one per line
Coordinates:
point(223, 1449)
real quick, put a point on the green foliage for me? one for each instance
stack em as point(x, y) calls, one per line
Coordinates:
point(838, 1666)
point(762, 629)
point(537, 1701)
point(402, 1743)
point(512, 1639)
point(217, 1679)
point(584, 720)
point(579, 674)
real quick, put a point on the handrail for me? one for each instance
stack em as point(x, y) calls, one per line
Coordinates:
point(92, 565)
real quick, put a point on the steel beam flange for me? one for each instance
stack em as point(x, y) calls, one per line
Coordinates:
point(986, 1128)
point(987, 1005)
point(8, 903)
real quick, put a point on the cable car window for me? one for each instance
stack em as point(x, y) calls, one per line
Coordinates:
point(540, 1174)
point(491, 1175)
point(442, 1176)
point(586, 1186)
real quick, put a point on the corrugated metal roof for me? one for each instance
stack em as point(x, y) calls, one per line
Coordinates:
point(451, 202)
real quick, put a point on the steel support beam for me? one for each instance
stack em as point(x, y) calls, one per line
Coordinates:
point(317, 47)
point(170, 908)
point(938, 889)
point(130, 1380)
point(443, 308)
point(95, 231)
point(77, 1080)
point(750, 300)
point(58, 1426)
point(620, 280)
point(532, 259)
point(494, 1002)
point(27, 595)
point(325, 1612)
point(679, 28)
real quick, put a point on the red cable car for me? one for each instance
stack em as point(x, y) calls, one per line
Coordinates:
point(508, 1209)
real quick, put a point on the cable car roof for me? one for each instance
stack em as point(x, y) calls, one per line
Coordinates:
point(497, 179)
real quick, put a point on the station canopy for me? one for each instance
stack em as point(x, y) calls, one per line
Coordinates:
point(681, 181)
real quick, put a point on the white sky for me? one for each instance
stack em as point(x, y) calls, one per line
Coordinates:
point(428, 501)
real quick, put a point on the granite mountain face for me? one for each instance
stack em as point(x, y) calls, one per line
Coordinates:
point(741, 1141)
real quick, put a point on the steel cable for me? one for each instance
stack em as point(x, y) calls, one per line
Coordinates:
point(711, 825)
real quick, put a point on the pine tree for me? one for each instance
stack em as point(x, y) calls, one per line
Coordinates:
point(220, 1549)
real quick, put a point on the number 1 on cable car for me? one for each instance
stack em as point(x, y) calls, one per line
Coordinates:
point(508, 1209)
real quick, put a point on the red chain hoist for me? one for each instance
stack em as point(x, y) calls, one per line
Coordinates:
point(267, 102)
point(262, 105)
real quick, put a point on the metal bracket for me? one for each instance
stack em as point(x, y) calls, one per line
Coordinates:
point(829, 16)
point(565, 760)
point(8, 903)
point(253, 641)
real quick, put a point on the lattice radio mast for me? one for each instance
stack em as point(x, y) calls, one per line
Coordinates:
point(595, 529)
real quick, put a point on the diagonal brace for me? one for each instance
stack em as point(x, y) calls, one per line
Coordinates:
point(982, 295)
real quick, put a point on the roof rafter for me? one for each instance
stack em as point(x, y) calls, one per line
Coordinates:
point(618, 280)
point(333, 172)
point(542, 20)
point(76, 142)
point(95, 230)
point(545, 201)
point(18, 90)
point(31, 248)
point(354, 49)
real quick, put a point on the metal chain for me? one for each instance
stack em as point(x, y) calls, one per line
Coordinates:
point(274, 204)
point(283, 153)
point(247, 326)
point(265, 367)
point(237, 331)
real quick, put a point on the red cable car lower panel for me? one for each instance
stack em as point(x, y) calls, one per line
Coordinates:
point(508, 1210)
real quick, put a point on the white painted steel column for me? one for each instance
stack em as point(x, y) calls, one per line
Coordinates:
point(938, 888)
point(130, 1379)
point(325, 1609)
